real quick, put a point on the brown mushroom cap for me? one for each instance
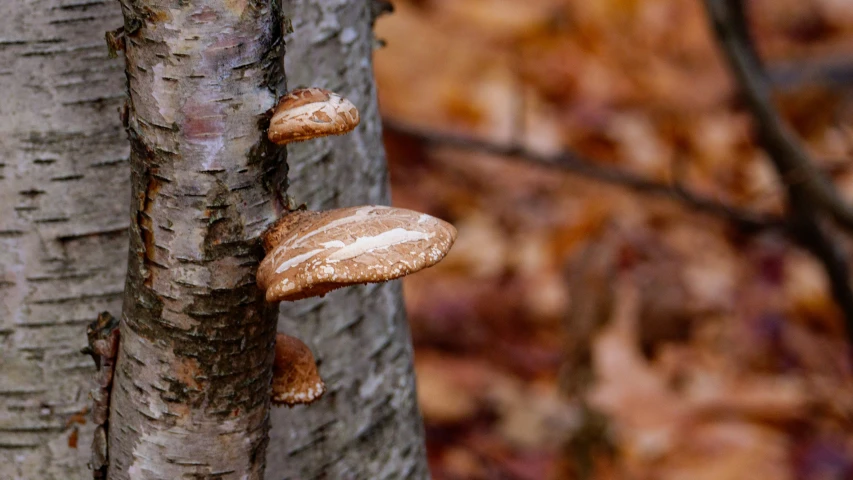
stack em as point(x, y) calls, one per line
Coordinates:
point(295, 377)
point(313, 253)
point(309, 113)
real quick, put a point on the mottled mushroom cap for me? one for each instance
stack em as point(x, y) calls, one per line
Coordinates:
point(295, 377)
point(313, 253)
point(309, 113)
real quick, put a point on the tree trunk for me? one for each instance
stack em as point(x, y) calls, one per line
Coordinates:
point(191, 393)
point(368, 424)
point(63, 217)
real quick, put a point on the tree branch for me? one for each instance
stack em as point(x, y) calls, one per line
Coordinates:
point(810, 193)
point(573, 163)
point(788, 155)
point(806, 230)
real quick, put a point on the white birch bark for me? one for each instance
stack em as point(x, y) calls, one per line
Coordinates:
point(368, 425)
point(63, 214)
point(191, 393)
point(63, 219)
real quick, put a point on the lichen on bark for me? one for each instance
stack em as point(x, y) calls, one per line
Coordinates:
point(191, 393)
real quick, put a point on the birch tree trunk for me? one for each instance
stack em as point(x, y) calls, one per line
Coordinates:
point(368, 425)
point(191, 392)
point(63, 217)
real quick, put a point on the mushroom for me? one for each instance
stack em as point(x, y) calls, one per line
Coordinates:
point(309, 113)
point(295, 376)
point(313, 253)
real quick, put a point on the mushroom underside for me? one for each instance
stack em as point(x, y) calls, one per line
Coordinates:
point(292, 397)
point(309, 136)
point(319, 289)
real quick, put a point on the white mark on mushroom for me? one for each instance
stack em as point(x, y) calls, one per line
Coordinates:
point(359, 216)
point(387, 239)
point(333, 244)
point(292, 262)
point(310, 110)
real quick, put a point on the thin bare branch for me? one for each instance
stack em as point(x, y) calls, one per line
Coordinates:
point(788, 155)
point(806, 230)
point(810, 192)
point(573, 163)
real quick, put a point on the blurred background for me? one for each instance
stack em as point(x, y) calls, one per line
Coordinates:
point(582, 329)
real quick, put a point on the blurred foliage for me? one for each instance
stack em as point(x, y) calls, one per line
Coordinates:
point(578, 330)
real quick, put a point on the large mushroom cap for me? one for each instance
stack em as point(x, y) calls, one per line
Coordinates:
point(295, 376)
point(312, 253)
point(309, 113)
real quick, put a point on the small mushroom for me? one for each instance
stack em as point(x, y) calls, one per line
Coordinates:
point(309, 113)
point(295, 376)
point(313, 253)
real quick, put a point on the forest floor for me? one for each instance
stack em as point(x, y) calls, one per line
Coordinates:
point(582, 330)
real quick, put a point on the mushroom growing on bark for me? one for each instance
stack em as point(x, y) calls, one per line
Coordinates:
point(309, 113)
point(312, 253)
point(295, 376)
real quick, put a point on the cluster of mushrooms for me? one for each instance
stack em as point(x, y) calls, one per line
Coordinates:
point(312, 253)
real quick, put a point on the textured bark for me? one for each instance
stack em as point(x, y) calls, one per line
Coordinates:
point(368, 424)
point(191, 394)
point(63, 218)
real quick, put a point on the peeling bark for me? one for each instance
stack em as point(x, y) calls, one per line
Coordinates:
point(368, 424)
point(191, 393)
point(63, 218)
point(103, 335)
